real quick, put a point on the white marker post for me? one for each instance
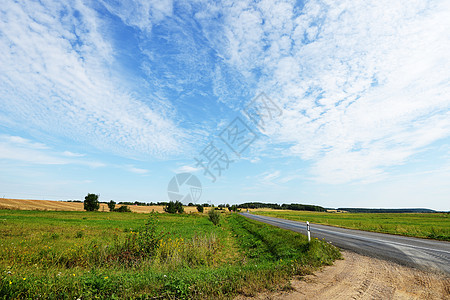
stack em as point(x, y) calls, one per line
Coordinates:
point(309, 231)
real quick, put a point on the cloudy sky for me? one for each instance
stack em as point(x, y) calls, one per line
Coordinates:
point(334, 103)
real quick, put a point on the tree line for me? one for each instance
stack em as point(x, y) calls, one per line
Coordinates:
point(292, 206)
point(91, 203)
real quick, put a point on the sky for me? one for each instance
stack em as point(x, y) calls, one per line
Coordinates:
point(332, 103)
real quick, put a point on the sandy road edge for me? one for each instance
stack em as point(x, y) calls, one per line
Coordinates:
point(362, 277)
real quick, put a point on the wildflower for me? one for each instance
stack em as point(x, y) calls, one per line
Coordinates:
point(164, 275)
point(106, 277)
point(24, 278)
point(10, 282)
point(73, 274)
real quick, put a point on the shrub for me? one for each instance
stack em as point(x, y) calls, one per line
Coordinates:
point(232, 208)
point(214, 216)
point(123, 208)
point(91, 202)
point(138, 245)
point(111, 205)
point(174, 207)
point(200, 208)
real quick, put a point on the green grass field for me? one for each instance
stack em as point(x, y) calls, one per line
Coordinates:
point(424, 225)
point(70, 255)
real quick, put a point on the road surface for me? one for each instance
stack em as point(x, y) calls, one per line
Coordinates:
point(413, 252)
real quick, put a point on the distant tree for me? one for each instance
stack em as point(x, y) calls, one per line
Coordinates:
point(123, 208)
point(170, 208)
point(200, 208)
point(174, 207)
point(191, 204)
point(179, 206)
point(91, 202)
point(111, 205)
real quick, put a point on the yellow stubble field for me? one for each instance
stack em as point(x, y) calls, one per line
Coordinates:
point(24, 204)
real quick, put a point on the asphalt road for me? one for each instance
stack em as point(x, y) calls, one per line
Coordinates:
point(413, 252)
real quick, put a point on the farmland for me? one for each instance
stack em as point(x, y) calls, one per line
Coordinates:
point(423, 225)
point(74, 254)
point(48, 205)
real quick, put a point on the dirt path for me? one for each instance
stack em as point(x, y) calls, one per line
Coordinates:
point(361, 277)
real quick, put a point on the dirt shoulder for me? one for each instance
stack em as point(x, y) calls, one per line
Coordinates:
point(361, 277)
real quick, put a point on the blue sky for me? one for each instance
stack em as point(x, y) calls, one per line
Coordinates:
point(116, 97)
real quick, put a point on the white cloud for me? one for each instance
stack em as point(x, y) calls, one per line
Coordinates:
point(291, 177)
point(57, 78)
point(141, 14)
point(14, 148)
point(265, 179)
point(22, 142)
point(73, 154)
point(133, 169)
point(270, 176)
point(187, 169)
point(364, 85)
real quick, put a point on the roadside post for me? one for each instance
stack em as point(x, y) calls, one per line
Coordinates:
point(309, 231)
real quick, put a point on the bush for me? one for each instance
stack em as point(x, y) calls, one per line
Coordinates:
point(142, 243)
point(123, 208)
point(214, 216)
point(200, 208)
point(232, 208)
point(111, 205)
point(174, 207)
point(91, 202)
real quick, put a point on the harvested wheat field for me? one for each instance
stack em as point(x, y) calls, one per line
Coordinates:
point(23, 204)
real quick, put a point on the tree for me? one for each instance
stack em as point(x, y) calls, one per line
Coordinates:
point(174, 207)
point(200, 208)
point(179, 206)
point(170, 208)
point(123, 208)
point(91, 202)
point(111, 205)
point(232, 208)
